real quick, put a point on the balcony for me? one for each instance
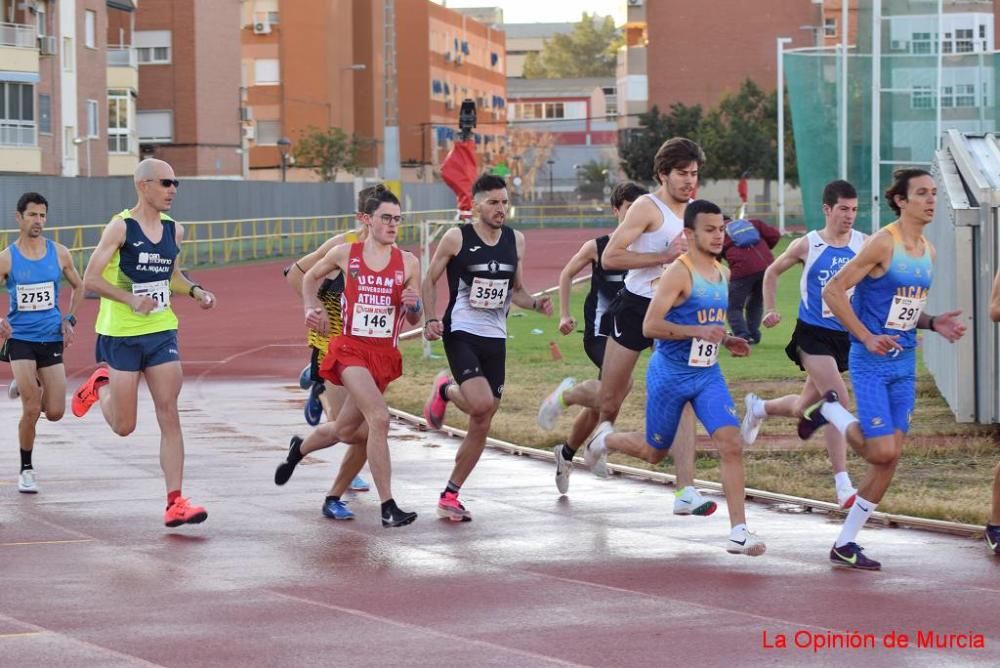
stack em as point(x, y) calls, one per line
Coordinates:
point(18, 48)
point(123, 67)
point(19, 150)
point(17, 133)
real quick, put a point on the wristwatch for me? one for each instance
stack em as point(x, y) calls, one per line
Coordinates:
point(71, 319)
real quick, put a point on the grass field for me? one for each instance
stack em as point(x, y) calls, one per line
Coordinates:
point(946, 471)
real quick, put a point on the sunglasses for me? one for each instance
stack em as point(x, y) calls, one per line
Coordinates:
point(166, 183)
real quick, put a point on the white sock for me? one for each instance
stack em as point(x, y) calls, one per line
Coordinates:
point(837, 415)
point(759, 408)
point(842, 480)
point(738, 531)
point(856, 518)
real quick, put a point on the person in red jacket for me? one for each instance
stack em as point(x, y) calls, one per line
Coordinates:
point(747, 251)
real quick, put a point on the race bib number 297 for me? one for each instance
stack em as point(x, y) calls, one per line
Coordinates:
point(904, 313)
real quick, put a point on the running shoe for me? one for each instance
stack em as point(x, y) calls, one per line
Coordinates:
point(305, 378)
point(751, 423)
point(436, 406)
point(564, 467)
point(336, 509)
point(689, 502)
point(845, 497)
point(748, 543)
point(285, 469)
point(552, 407)
point(595, 452)
point(449, 507)
point(852, 556)
point(26, 483)
point(314, 407)
point(86, 395)
point(397, 518)
point(812, 418)
point(359, 484)
point(993, 538)
point(182, 512)
point(12, 390)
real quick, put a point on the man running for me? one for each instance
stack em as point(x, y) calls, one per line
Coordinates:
point(134, 270)
point(604, 285)
point(650, 237)
point(819, 344)
point(381, 288)
point(993, 526)
point(891, 276)
point(687, 318)
point(483, 260)
point(34, 332)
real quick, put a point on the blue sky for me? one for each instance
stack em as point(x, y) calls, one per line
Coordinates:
point(542, 11)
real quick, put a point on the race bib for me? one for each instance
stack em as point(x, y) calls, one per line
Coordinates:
point(486, 293)
point(372, 321)
point(703, 353)
point(904, 313)
point(158, 291)
point(36, 296)
point(827, 313)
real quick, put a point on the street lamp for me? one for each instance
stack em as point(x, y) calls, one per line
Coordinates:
point(85, 140)
point(284, 144)
point(550, 163)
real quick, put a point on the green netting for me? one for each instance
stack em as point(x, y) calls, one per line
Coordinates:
point(909, 101)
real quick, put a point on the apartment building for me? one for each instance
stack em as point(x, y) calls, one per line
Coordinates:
point(631, 78)
point(67, 85)
point(188, 113)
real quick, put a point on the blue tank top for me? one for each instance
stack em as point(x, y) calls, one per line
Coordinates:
point(33, 289)
point(822, 263)
point(892, 303)
point(706, 305)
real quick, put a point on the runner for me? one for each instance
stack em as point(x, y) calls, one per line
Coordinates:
point(892, 275)
point(687, 317)
point(33, 334)
point(483, 260)
point(381, 288)
point(649, 237)
point(134, 270)
point(819, 344)
point(993, 525)
point(604, 285)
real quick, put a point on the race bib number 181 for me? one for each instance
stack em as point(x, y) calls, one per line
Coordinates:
point(703, 353)
point(158, 291)
point(36, 296)
point(904, 313)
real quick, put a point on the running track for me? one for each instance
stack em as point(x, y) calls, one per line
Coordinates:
point(606, 576)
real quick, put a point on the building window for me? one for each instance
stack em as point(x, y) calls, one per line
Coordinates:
point(90, 29)
point(830, 27)
point(17, 114)
point(268, 133)
point(921, 43)
point(92, 115)
point(947, 97)
point(266, 72)
point(965, 95)
point(963, 41)
point(118, 115)
point(45, 114)
point(152, 47)
point(922, 97)
point(40, 14)
point(554, 110)
point(67, 54)
point(69, 134)
point(155, 126)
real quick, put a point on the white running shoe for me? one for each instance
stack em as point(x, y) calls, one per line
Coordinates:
point(563, 468)
point(595, 452)
point(751, 423)
point(26, 483)
point(12, 390)
point(845, 497)
point(751, 545)
point(689, 502)
point(552, 406)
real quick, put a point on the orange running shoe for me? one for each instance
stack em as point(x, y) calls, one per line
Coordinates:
point(182, 512)
point(86, 395)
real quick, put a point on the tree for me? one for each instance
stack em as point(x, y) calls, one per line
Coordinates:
point(593, 177)
point(590, 50)
point(329, 151)
point(741, 135)
point(529, 151)
point(637, 148)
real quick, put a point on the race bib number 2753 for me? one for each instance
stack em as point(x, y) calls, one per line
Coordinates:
point(36, 296)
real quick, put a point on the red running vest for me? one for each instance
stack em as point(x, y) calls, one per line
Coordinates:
point(371, 303)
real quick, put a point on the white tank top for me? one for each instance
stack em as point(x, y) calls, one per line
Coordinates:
point(640, 281)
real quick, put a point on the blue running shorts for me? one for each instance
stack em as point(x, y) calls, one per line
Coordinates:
point(885, 388)
point(670, 386)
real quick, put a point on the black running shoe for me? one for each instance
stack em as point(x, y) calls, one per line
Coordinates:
point(397, 518)
point(852, 556)
point(812, 419)
point(993, 538)
point(285, 469)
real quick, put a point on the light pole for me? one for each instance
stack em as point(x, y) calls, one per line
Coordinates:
point(283, 145)
point(781, 41)
point(551, 163)
point(85, 140)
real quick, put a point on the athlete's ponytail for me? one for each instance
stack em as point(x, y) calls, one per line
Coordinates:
point(378, 196)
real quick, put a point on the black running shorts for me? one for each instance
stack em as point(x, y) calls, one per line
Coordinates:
point(44, 354)
point(627, 312)
point(813, 340)
point(470, 356)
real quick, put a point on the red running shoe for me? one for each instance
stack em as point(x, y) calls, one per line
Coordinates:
point(86, 395)
point(182, 512)
point(436, 406)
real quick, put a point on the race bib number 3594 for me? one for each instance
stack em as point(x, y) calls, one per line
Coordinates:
point(486, 293)
point(36, 296)
point(158, 291)
point(904, 313)
point(703, 353)
point(372, 321)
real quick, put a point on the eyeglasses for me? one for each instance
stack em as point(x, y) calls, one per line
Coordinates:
point(387, 218)
point(166, 183)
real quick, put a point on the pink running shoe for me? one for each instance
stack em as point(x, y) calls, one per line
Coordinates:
point(449, 507)
point(436, 406)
